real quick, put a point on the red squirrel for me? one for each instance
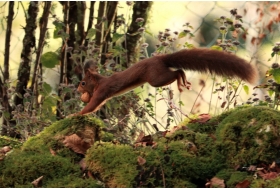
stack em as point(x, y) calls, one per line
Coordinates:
point(97, 89)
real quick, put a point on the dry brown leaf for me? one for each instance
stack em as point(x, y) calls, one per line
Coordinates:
point(216, 182)
point(202, 118)
point(252, 168)
point(141, 160)
point(175, 128)
point(270, 175)
point(147, 138)
point(272, 165)
point(223, 104)
point(38, 182)
point(5, 149)
point(89, 135)
point(90, 174)
point(77, 144)
point(82, 164)
point(243, 184)
point(52, 152)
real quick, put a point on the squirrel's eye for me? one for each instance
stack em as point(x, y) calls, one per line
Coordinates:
point(83, 83)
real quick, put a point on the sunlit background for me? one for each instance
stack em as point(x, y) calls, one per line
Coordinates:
point(172, 15)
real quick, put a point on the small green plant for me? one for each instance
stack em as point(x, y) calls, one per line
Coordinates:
point(272, 84)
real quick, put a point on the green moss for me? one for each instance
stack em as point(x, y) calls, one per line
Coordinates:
point(235, 178)
point(225, 174)
point(250, 135)
point(261, 183)
point(8, 141)
point(57, 131)
point(34, 159)
point(19, 169)
point(116, 164)
point(71, 181)
point(185, 158)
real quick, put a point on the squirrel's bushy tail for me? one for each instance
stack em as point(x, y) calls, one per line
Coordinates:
point(213, 61)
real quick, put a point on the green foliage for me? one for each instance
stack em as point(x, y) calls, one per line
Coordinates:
point(91, 32)
point(116, 37)
point(50, 59)
point(276, 74)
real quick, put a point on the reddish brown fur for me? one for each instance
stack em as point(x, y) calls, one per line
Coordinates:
point(156, 71)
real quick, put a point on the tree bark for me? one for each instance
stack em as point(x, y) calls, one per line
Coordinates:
point(102, 10)
point(140, 10)
point(64, 64)
point(111, 14)
point(6, 75)
point(29, 43)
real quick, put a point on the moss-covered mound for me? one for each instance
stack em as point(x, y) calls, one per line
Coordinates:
point(239, 148)
point(224, 147)
point(47, 155)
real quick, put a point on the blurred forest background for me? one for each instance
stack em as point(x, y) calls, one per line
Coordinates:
point(45, 44)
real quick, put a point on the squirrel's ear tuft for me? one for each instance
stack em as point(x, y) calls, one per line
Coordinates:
point(87, 73)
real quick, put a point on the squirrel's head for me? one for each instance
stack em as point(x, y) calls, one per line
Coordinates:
point(87, 86)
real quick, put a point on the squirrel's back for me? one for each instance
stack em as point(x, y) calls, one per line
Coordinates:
point(213, 61)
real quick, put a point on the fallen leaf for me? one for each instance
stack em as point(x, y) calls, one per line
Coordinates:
point(38, 182)
point(52, 152)
point(90, 174)
point(270, 175)
point(243, 184)
point(223, 104)
point(252, 168)
point(141, 160)
point(77, 144)
point(272, 165)
point(5, 149)
point(82, 164)
point(215, 182)
point(175, 128)
point(147, 138)
point(202, 118)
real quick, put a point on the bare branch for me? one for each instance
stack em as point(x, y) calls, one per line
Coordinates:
point(43, 23)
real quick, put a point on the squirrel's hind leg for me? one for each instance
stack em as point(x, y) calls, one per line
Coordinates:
point(182, 80)
point(168, 76)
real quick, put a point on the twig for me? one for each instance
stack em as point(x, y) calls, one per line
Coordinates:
point(163, 177)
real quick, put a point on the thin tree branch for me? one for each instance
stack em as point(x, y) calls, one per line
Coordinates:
point(43, 24)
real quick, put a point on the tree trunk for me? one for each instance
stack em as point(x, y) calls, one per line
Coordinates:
point(63, 65)
point(29, 42)
point(140, 10)
point(6, 75)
